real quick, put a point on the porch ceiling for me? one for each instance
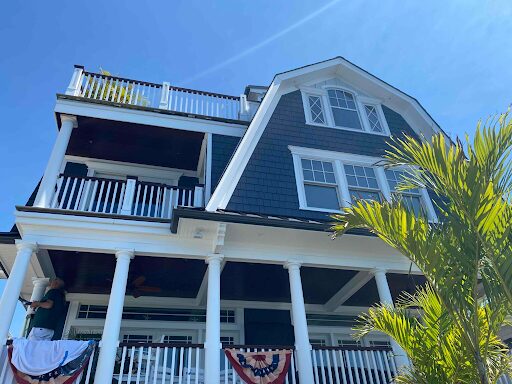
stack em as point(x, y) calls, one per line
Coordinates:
point(135, 143)
point(93, 272)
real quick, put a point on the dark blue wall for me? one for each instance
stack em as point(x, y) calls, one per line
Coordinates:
point(223, 149)
point(268, 186)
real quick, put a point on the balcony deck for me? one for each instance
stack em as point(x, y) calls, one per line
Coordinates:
point(100, 87)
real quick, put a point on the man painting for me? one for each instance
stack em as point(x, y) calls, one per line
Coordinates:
point(49, 311)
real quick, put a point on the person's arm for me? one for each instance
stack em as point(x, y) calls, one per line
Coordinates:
point(47, 304)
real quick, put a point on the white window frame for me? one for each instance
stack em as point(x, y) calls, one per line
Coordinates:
point(360, 102)
point(339, 159)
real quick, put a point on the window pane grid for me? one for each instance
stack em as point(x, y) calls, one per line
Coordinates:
point(344, 109)
point(411, 198)
point(362, 183)
point(315, 106)
point(373, 118)
point(318, 171)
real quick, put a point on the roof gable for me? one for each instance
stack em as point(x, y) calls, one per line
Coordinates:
point(334, 70)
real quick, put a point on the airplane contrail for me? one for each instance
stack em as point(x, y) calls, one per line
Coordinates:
point(261, 44)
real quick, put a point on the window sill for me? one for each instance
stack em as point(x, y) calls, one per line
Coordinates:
point(325, 210)
point(347, 129)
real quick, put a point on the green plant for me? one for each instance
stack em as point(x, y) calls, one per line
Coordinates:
point(106, 88)
point(421, 325)
point(469, 251)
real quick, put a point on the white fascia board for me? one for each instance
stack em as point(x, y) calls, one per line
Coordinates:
point(107, 112)
point(243, 153)
point(410, 108)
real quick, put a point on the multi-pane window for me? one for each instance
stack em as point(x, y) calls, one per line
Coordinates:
point(318, 342)
point(349, 343)
point(177, 339)
point(362, 183)
point(227, 340)
point(137, 339)
point(320, 185)
point(373, 118)
point(344, 110)
point(411, 198)
point(315, 107)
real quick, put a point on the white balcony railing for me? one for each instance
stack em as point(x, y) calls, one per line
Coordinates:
point(123, 197)
point(102, 87)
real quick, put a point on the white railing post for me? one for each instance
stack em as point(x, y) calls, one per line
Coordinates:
point(75, 82)
point(164, 96)
point(198, 196)
point(129, 192)
point(244, 107)
point(49, 180)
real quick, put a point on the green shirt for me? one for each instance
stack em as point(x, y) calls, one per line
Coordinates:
point(49, 318)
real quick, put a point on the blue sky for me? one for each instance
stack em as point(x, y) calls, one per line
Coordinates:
point(454, 56)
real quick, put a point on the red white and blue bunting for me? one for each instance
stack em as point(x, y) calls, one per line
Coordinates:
point(260, 367)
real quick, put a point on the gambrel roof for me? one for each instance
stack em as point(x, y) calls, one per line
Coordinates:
point(283, 83)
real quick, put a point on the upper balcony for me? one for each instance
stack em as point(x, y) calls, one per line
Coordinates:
point(122, 92)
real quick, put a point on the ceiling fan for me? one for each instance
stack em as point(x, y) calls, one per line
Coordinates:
point(137, 287)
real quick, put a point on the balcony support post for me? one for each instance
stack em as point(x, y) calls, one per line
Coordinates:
point(49, 180)
point(40, 284)
point(300, 325)
point(212, 343)
point(75, 82)
point(13, 286)
point(110, 338)
point(385, 298)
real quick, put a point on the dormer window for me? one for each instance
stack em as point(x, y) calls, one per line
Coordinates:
point(362, 183)
point(343, 109)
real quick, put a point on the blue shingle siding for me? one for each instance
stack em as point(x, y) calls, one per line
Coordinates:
point(267, 185)
point(223, 149)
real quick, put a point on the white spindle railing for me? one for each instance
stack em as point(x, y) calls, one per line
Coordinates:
point(341, 365)
point(115, 89)
point(90, 194)
point(228, 374)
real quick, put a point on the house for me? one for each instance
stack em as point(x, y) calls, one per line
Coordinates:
point(185, 222)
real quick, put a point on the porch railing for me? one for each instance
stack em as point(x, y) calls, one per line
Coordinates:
point(102, 87)
point(123, 197)
point(349, 365)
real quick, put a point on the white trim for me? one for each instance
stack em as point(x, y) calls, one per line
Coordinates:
point(339, 159)
point(208, 179)
point(107, 112)
point(243, 153)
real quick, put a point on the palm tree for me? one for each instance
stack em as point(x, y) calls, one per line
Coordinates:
point(433, 341)
point(469, 251)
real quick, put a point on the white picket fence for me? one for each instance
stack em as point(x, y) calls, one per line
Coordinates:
point(123, 197)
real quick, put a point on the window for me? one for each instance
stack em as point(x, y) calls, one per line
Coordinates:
point(320, 185)
point(411, 198)
point(373, 118)
point(318, 342)
point(137, 339)
point(349, 343)
point(227, 340)
point(362, 183)
point(177, 339)
point(344, 110)
point(316, 109)
point(329, 180)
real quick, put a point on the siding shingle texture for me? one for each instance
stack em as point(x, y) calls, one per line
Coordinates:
point(223, 149)
point(267, 185)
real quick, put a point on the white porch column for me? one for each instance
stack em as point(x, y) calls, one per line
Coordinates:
point(46, 189)
point(110, 337)
point(212, 344)
point(300, 325)
point(386, 298)
point(13, 286)
point(40, 284)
